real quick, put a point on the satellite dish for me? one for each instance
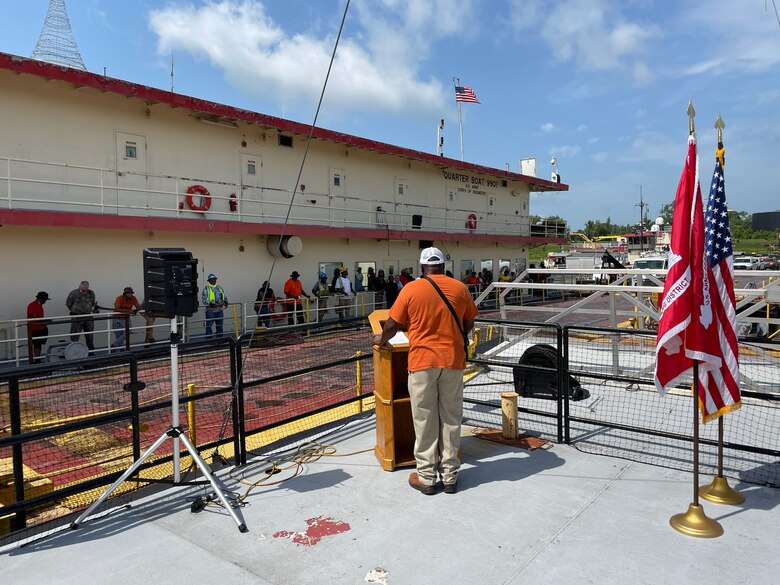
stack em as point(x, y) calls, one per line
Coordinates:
point(659, 221)
point(654, 228)
point(76, 351)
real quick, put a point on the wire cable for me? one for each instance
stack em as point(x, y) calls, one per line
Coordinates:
point(226, 416)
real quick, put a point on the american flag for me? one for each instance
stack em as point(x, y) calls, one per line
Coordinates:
point(719, 382)
point(465, 94)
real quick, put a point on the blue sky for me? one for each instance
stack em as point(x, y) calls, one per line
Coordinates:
point(602, 85)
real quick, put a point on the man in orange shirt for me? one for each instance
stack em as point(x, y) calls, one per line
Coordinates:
point(125, 304)
point(437, 358)
point(293, 290)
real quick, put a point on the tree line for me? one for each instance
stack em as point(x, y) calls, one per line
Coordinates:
point(740, 222)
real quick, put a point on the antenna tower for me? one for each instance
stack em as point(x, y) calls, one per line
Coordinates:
point(57, 43)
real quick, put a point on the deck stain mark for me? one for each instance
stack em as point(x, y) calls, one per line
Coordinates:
point(318, 527)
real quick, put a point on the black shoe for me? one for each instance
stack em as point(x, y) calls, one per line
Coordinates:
point(451, 488)
point(415, 482)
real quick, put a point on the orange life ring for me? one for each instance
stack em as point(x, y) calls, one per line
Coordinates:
point(205, 198)
point(471, 222)
point(272, 310)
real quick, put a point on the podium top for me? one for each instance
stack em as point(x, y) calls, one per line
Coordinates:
point(377, 319)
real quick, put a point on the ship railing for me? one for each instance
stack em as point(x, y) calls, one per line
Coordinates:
point(629, 303)
point(133, 333)
point(36, 185)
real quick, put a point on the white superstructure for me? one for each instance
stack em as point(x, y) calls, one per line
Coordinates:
point(94, 169)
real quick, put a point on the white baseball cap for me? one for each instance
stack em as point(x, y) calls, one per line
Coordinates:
point(431, 257)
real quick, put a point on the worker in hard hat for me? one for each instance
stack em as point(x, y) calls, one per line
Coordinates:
point(215, 300)
point(321, 288)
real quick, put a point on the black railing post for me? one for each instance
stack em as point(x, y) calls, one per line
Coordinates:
point(563, 388)
point(237, 399)
point(136, 416)
point(19, 520)
point(566, 377)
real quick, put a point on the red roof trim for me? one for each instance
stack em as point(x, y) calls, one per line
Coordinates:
point(132, 90)
point(125, 222)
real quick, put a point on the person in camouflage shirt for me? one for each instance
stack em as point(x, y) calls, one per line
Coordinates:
point(82, 301)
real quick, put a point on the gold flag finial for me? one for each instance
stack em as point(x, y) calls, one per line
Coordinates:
point(691, 114)
point(720, 152)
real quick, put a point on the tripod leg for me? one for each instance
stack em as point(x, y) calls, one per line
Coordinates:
point(212, 480)
point(130, 471)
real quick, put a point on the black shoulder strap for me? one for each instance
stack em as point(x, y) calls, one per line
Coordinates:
point(454, 315)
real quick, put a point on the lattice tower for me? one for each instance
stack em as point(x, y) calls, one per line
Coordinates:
point(57, 43)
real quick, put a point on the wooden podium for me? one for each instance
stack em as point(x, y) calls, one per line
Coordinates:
point(394, 427)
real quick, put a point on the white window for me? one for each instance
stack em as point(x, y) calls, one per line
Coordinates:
point(251, 168)
point(131, 150)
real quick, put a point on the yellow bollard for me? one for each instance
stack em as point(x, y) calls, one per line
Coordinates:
point(191, 414)
point(235, 320)
point(359, 381)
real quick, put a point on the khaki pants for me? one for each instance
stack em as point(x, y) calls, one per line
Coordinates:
point(437, 410)
point(345, 307)
point(149, 329)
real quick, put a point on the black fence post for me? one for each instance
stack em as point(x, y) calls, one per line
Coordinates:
point(563, 386)
point(237, 399)
point(136, 416)
point(566, 378)
point(19, 520)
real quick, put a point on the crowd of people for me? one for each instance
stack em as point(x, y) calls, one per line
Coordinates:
point(82, 303)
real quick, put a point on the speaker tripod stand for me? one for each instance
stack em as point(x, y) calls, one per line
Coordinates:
point(175, 433)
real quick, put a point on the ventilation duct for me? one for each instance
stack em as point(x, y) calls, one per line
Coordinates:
point(285, 246)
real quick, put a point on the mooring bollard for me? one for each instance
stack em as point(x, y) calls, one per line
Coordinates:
point(509, 415)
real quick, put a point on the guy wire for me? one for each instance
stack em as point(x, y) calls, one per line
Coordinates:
point(240, 372)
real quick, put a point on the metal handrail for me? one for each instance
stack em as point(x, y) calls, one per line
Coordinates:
point(363, 210)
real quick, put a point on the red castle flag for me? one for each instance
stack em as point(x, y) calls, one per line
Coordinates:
point(677, 302)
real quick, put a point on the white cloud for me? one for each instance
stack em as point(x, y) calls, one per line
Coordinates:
point(654, 146)
point(258, 56)
point(593, 33)
point(642, 74)
point(600, 156)
point(593, 140)
point(768, 97)
point(582, 128)
point(547, 127)
point(743, 39)
point(565, 151)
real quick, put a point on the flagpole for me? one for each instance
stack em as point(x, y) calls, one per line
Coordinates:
point(695, 522)
point(719, 491)
point(456, 83)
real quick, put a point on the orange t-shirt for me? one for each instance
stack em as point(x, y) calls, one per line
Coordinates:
point(434, 338)
point(293, 288)
point(125, 305)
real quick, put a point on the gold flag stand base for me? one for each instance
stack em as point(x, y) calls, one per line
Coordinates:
point(720, 492)
point(696, 523)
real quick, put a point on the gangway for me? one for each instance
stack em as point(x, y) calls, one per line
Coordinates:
point(757, 306)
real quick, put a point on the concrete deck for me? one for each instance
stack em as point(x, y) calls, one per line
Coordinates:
point(543, 516)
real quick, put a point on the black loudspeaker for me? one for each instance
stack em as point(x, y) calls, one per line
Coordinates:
point(170, 282)
point(536, 375)
point(416, 221)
